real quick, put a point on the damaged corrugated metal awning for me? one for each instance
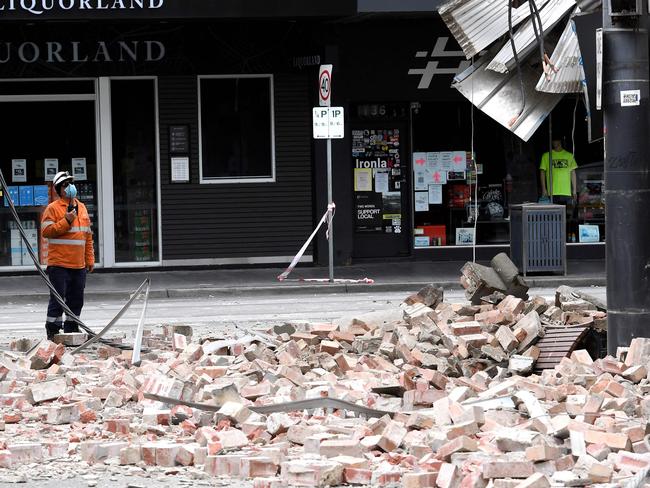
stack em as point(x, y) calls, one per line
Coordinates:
point(478, 23)
point(525, 39)
point(498, 95)
point(569, 75)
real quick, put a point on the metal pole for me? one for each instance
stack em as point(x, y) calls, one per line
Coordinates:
point(627, 180)
point(550, 156)
point(330, 240)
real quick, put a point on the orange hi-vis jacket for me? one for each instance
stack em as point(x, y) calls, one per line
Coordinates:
point(70, 245)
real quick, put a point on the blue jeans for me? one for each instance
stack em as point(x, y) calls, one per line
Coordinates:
point(70, 284)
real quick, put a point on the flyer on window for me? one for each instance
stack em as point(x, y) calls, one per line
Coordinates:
point(79, 169)
point(18, 170)
point(381, 181)
point(435, 194)
point(421, 201)
point(51, 168)
point(362, 179)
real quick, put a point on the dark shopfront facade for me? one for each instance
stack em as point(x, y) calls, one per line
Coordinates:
point(393, 76)
point(190, 139)
point(188, 128)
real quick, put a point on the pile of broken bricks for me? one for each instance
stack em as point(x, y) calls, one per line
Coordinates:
point(433, 394)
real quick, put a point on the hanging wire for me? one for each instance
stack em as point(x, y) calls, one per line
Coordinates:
point(539, 31)
point(474, 167)
point(573, 127)
point(519, 71)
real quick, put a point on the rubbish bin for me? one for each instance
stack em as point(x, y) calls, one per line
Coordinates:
point(538, 237)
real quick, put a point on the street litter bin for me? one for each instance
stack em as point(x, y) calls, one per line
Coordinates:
point(538, 238)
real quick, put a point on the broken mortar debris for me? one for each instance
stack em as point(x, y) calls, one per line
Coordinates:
point(445, 395)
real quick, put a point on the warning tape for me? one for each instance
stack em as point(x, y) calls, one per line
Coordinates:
point(328, 217)
point(368, 281)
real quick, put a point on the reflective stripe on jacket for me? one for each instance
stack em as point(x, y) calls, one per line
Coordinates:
point(69, 245)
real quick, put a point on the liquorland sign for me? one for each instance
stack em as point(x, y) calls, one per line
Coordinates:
point(168, 9)
point(41, 7)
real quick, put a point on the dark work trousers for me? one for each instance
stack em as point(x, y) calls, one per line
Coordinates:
point(571, 213)
point(70, 284)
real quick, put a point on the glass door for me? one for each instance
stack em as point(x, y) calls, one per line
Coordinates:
point(135, 163)
point(381, 187)
point(43, 134)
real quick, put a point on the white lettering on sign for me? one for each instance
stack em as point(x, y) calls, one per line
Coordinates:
point(367, 213)
point(630, 98)
point(432, 67)
point(372, 163)
point(39, 7)
point(74, 52)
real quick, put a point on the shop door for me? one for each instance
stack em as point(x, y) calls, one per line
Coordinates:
point(46, 127)
point(380, 167)
point(135, 170)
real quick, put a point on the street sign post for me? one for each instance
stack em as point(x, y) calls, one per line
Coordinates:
point(328, 124)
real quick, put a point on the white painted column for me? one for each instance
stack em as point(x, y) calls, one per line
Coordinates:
point(106, 210)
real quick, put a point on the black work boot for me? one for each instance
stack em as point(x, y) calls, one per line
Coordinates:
point(52, 329)
point(69, 327)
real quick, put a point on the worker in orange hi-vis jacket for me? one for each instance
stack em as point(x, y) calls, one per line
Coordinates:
point(66, 225)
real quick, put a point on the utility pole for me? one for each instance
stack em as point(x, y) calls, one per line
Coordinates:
point(627, 178)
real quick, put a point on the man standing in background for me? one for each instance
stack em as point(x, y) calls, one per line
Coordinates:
point(564, 188)
point(71, 255)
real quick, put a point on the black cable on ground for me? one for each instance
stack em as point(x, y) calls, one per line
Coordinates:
point(69, 314)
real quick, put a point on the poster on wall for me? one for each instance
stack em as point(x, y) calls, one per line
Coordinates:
point(381, 181)
point(377, 170)
point(392, 205)
point(445, 161)
point(79, 169)
point(19, 170)
point(434, 161)
point(421, 201)
point(439, 177)
point(458, 161)
point(464, 236)
point(435, 194)
point(369, 209)
point(362, 179)
point(180, 169)
point(51, 168)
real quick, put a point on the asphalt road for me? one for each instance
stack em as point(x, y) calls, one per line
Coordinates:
point(219, 315)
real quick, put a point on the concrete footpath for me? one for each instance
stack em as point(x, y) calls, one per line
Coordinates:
point(387, 276)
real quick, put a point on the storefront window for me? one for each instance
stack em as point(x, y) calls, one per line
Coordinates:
point(133, 106)
point(457, 204)
point(236, 128)
point(39, 139)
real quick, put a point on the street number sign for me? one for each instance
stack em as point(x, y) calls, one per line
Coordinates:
point(325, 85)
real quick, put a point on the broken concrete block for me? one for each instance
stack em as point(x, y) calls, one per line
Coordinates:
point(47, 390)
point(70, 339)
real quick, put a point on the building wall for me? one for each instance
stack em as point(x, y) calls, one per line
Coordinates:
point(220, 221)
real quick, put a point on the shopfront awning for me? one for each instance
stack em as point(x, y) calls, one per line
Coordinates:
point(525, 40)
point(498, 95)
point(478, 23)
